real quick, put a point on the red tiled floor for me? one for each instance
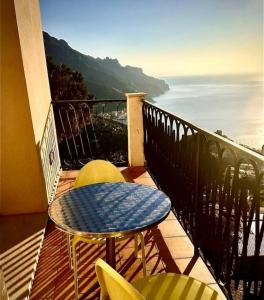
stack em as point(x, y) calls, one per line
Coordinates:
point(167, 248)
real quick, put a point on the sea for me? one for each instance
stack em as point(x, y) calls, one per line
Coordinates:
point(233, 104)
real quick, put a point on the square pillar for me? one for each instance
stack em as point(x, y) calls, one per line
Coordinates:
point(135, 129)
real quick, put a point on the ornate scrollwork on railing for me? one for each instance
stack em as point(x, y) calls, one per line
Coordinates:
point(217, 191)
point(91, 129)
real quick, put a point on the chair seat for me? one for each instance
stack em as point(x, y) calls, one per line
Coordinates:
point(174, 286)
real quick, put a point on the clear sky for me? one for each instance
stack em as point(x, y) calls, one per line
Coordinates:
point(164, 37)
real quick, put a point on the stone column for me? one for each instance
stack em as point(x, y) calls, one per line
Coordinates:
point(135, 129)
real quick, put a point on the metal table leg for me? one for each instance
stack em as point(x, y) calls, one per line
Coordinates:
point(110, 252)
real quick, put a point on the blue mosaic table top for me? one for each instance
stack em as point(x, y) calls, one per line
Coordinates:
point(109, 209)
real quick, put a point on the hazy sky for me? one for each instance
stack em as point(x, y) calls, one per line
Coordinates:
point(164, 37)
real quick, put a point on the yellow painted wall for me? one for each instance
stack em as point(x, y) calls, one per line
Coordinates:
point(25, 99)
point(34, 61)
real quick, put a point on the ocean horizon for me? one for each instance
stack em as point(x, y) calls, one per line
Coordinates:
point(231, 103)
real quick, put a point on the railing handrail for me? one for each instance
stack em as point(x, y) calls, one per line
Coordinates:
point(87, 101)
point(249, 153)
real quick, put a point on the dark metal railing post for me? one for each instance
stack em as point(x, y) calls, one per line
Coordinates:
point(196, 194)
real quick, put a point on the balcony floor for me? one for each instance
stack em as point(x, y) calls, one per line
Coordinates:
point(168, 249)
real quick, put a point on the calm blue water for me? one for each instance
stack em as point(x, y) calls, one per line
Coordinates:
point(233, 104)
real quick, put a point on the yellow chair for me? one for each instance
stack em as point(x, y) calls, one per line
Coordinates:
point(165, 286)
point(98, 171)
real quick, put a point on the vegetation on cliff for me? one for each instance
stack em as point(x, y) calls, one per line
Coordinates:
point(66, 84)
point(105, 78)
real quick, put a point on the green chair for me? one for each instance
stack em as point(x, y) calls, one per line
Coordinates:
point(164, 286)
point(98, 171)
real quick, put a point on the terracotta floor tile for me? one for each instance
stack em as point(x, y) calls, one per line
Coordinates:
point(84, 247)
point(72, 174)
point(127, 252)
point(43, 289)
point(130, 268)
point(64, 267)
point(64, 251)
point(47, 274)
point(86, 270)
point(171, 216)
point(64, 239)
point(149, 238)
point(195, 267)
point(201, 272)
point(137, 174)
point(52, 239)
point(184, 263)
point(52, 251)
point(154, 265)
point(151, 250)
point(129, 243)
point(63, 187)
point(145, 180)
point(179, 247)
point(89, 288)
point(43, 292)
point(155, 233)
point(132, 173)
point(171, 228)
point(95, 252)
point(44, 283)
point(46, 262)
point(64, 285)
point(217, 288)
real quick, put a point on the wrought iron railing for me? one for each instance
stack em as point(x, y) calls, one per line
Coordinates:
point(91, 129)
point(217, 192)
point(49, 155)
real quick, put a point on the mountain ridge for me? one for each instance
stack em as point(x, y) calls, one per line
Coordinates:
point(105, 78)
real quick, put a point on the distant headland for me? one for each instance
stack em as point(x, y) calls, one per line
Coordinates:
point(104, 78)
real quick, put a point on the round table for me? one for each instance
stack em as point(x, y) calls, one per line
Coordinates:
point(109, 210)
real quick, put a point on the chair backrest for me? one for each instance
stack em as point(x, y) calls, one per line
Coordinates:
point(114, 285)
point(97, 171)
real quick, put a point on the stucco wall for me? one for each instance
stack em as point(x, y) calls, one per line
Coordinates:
point(34, 62)
point(25, 99)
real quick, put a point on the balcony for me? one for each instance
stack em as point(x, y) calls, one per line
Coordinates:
point(215, 229)
point(168, 249)
point(215, 232)
point(217, 191)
